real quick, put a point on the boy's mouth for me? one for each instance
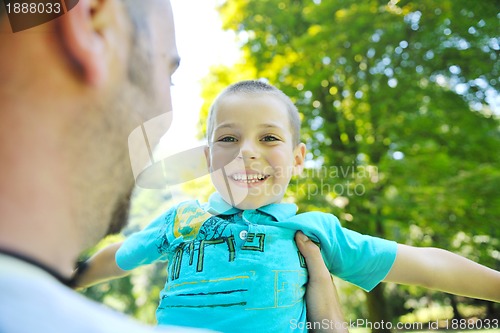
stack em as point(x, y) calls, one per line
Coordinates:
point(251, 178)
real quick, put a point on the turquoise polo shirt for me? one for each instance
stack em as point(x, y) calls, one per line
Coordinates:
point(240, 271)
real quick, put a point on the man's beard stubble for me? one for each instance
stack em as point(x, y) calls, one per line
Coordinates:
point(138, 78)
point(120, 215)
point(139, 75)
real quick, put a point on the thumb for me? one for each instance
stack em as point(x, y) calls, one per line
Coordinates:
point(312, 254)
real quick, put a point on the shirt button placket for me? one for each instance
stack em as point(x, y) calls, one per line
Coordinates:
point(247, 219)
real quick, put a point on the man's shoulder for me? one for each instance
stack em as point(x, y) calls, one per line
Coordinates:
point(34, 302)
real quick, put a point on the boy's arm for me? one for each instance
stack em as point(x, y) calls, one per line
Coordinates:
point(445, 271)
point(100, 267)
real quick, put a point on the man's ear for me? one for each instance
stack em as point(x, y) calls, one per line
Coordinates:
point(81, 33)
point(299, 158)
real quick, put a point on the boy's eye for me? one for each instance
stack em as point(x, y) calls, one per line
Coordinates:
point(270, 138)
point(227, 139)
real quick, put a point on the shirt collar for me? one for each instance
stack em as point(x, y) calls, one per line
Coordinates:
point(280, 211)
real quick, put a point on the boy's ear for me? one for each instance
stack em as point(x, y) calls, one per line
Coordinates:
point(207, 157)
point(299, 158)
point(83, 33)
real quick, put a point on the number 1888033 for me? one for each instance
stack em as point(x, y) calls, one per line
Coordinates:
point(33, 7)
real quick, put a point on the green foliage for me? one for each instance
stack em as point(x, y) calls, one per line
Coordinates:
point(397, 105)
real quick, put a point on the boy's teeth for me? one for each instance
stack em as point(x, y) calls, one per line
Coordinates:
point(252, 178)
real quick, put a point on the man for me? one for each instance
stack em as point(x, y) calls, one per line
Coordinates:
point(71, 92)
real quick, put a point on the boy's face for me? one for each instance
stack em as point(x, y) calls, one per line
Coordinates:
point(252, 151)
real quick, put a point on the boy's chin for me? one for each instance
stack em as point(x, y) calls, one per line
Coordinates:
point(247, 198)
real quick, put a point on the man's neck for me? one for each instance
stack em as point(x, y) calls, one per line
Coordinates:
point(39, 229)
point(17, 256)
point(40, 247)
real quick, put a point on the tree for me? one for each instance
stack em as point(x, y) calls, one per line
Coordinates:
point(398, 104)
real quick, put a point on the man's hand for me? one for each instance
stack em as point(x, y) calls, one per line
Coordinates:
point(323, 306)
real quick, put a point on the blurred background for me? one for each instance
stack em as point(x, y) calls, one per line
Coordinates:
point(401, 116)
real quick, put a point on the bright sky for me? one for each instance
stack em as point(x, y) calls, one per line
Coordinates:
point(201, 43)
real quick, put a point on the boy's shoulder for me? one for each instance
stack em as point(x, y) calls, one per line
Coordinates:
point(191, 207)
point(189, 204)
point(179, 211)
point(321, 217)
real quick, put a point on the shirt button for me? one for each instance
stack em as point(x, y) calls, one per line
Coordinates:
point(243, 234)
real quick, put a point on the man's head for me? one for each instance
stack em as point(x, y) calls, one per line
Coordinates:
point(254, 147)
point(134, 96)
point(72, 91)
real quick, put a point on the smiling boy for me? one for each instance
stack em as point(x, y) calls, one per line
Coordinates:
point(251, 140)
point(233, 265)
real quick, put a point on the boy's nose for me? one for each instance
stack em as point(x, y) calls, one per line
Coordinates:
point(248, 150)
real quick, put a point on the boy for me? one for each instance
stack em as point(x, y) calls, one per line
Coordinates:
point(233, 265)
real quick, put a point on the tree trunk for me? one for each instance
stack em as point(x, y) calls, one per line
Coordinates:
point(379, 318)
point(454, 305)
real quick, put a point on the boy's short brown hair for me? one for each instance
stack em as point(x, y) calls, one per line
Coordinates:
point(258, 87)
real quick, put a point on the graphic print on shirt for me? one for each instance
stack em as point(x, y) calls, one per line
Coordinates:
point(189, 220)
point(218, 240)
point(211, 232)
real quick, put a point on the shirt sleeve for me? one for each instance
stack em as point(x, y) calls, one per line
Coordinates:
point(148, 245)
point(356, 258)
